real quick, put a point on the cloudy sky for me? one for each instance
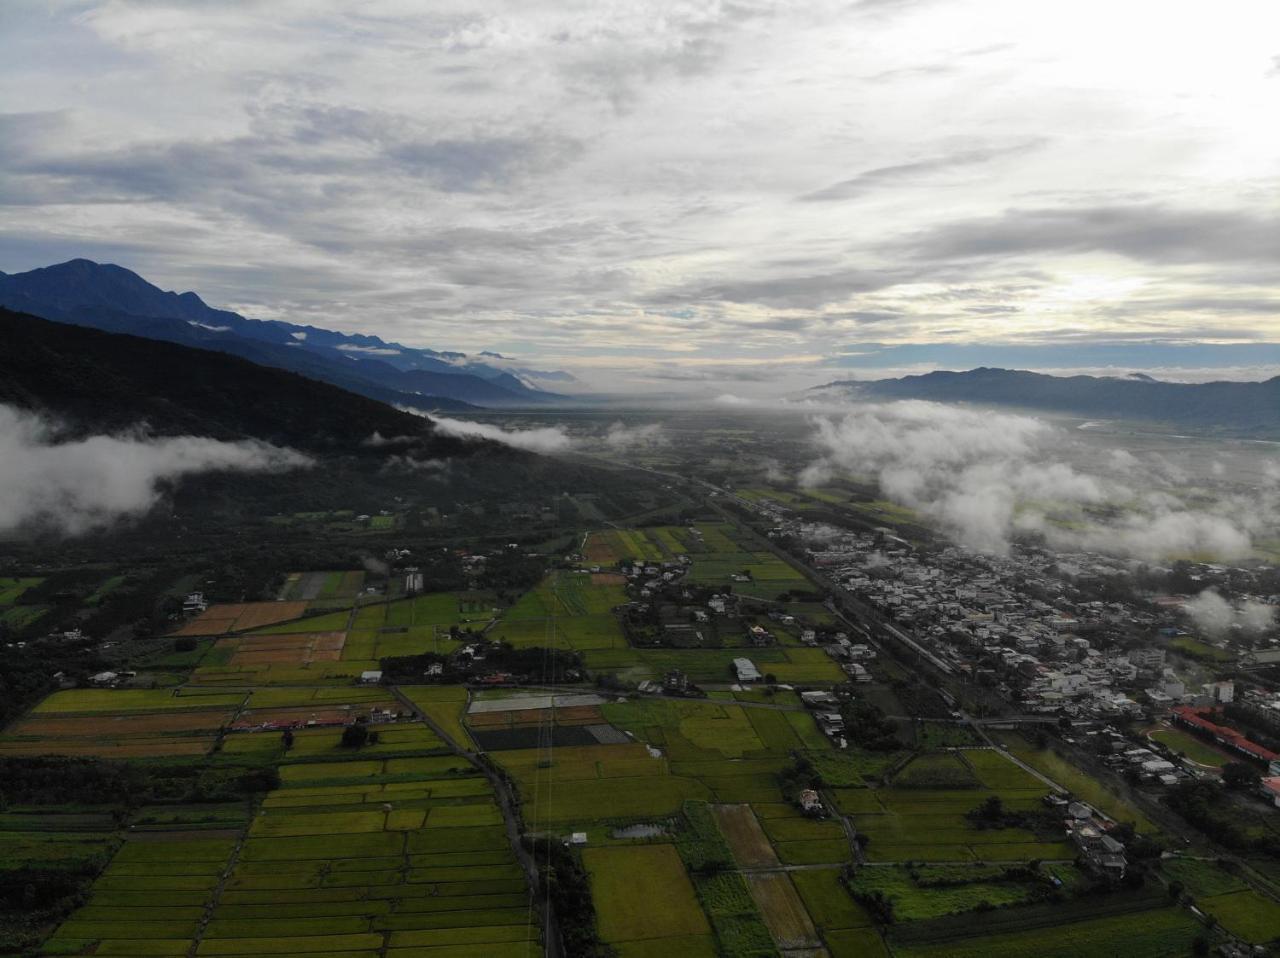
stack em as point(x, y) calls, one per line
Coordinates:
point(676, 196)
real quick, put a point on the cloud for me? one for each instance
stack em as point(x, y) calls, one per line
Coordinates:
point(1147, 233)
point(367, 350)
point(886, 176)
point(621, 438)
point(546, 439)
point(988, 477)
point(81, 484)
point(1215, 615)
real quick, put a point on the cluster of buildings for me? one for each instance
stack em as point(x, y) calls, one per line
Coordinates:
point(1012, 622)
point(826, 714)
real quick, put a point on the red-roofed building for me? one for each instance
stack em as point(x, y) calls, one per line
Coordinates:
point(1198, 720)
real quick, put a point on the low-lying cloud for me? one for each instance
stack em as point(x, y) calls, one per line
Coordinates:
point(1217, 616)
point(83, 484)
point(985, 477)
point(543, 439)
point(551, 440)
point(622, 438)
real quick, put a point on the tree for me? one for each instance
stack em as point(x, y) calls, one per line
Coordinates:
point(1238, 775)
point(287, 739)
point(354, 736)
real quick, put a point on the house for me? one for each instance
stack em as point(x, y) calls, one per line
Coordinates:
point(371, 677)
point(1099, 851)
point(1271, 790)
point(104, 678)
point(817, 699)
point(194, 603)
point(746, 670)
point(578, 838)
point(1079, 811)
point(810, 803)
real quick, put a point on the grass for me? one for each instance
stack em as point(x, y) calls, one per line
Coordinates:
point(828, 901)
point(1083, 786)
point(103, 701)
point(11, 588)
point(1245, 914)
point(1156, 933)
point(642, 892)
point(915, 899)
point(1201, 878)
point(1190, 746)
point(856, 943)
point(938, 770)
point(1194, 648)
point(443, 704)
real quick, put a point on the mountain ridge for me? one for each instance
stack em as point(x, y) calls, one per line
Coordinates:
point(1245, 408)
point(90, 382)
point(116, 299)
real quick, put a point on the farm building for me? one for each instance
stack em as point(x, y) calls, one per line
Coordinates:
point(746, 670)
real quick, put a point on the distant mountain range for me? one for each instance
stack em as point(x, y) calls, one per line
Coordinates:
point(1241, 408)
point(115, 299)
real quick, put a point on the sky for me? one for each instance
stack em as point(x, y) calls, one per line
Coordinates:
point(675, 197)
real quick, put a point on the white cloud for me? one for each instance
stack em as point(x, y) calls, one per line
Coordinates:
point(985, 477)
point(82, 484)
point(366, 350)
point(1215, 615)
point(546, 439)
point(622, 438)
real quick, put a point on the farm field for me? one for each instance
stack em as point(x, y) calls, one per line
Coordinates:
point(787, 664)
point(1245, 914)
point(325, 586)
point(783, 911)
point(445, 705)
point(643, 894)
point(117, 734)
point(392, 849)
point(1155, 933)
point(224, 619)
point(568, 610)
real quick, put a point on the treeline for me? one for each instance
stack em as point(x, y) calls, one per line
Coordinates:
point(565, 882)
point(537, 665)
point(1201, 803)
point(865, 726)
point(51, 780)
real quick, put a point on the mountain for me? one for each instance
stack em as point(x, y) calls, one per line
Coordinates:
point(116, 299)
point(104, 382)
point(1243, 408)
